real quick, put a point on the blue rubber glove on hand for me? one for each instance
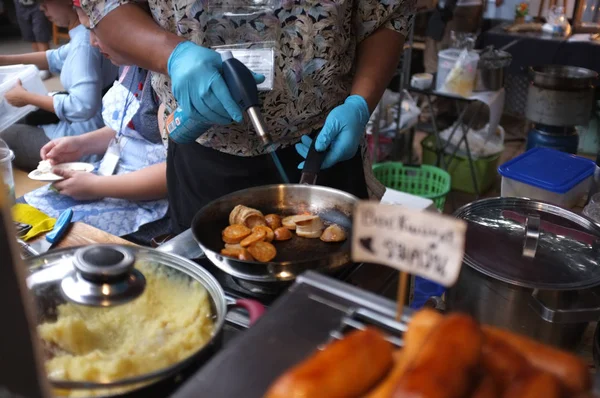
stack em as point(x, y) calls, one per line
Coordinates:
point(341, 133)
point(199, 87)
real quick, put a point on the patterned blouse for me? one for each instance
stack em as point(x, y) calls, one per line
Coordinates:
point(315, 43)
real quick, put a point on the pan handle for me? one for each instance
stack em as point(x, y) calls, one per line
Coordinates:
point(254, 308)
point(314, 161)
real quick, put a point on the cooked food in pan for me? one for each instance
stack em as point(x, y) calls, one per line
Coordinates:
point(282, 233)
point(236, 233)
point(309, 227)
point(249, 230)
point(333, 233)
point(246, 216)
point(170, 321)
point(273, 221)
point(263, 251)
point(443, 356)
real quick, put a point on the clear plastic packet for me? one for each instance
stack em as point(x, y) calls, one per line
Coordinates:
point(461, 79)
point(258, 57)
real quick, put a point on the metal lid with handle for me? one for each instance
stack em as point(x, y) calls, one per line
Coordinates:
point(104, 276)
point(531, 244)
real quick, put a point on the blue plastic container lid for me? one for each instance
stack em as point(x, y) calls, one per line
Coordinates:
point(548, 169)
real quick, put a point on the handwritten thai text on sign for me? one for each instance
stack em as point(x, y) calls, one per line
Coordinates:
point(421, 243)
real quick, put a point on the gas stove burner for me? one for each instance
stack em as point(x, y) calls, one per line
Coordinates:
point(257, 288)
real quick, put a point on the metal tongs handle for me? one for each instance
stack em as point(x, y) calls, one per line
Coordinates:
point(312, 165)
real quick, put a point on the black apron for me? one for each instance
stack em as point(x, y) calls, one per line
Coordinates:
point(196, 175)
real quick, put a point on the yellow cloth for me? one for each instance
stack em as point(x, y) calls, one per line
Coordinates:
point(39, 221)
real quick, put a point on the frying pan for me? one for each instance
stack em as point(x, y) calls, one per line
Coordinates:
point(293, 256)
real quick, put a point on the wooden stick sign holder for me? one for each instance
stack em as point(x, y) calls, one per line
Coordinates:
point(401, 297)
point(427, 244)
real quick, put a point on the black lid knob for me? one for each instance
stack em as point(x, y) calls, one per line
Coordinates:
point(104, 263)
point(104, 276)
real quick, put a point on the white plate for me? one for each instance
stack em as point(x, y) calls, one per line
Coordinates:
point(51, 177)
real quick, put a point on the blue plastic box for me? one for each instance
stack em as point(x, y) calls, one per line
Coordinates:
point(548, 175)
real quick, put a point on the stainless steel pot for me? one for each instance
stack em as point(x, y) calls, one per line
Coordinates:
point(530, 267)
point(489, 79)
point(108, 275)
point(561, 77)
point(560, 95)
point(490, 69)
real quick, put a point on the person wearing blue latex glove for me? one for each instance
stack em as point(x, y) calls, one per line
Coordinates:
point(200, 90)
point(341, 135)
point(312, 72)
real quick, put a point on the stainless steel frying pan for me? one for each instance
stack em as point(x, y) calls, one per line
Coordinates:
point(294, 256)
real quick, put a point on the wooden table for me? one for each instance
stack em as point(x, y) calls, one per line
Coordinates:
point(80, 234)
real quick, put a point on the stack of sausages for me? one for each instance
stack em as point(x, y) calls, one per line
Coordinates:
point(443, 357)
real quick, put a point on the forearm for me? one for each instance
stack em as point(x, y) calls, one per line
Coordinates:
point(149, 183)
point(38, 59)
point(376, 61)
point(41, 101)
point(96, 142)
point(133, 34)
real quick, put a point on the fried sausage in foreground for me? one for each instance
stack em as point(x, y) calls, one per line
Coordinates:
point(448, 362)
point(346, 368)
point(571, 371)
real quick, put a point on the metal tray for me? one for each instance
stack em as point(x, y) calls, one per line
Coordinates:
point(315, 310)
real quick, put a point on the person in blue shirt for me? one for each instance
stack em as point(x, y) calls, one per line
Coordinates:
point(84, 74)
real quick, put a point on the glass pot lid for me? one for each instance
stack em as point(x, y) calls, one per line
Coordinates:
point(111, 315)
point(531, 244)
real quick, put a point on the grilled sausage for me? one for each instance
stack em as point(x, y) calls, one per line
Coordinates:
point(420, 327)
point(534, 384)
point(501, 361)
point(486, 388)
point(246, 216)
point(333, 233)
point(385, 389)
point(344, 369)
point(447, 363)
point(273, 221)
point(571, 371)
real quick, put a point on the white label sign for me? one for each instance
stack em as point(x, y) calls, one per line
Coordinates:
point(421, 243)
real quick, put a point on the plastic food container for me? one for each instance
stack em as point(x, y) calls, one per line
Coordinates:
point(548, 175)
point(6, 171)
point(31, 81)
point(463, 83)
point(446, 60)
point(422, 81)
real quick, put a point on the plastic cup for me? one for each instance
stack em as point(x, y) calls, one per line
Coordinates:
point(6, 172)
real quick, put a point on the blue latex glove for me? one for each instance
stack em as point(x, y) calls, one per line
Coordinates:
point(341, 133)
point(199, 87)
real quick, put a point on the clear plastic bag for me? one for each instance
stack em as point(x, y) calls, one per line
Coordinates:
point(482, 143)
point(258, 57)
point(388, 119)
point(461, 79)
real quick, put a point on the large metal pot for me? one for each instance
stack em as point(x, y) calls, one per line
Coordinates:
point(562, 77)
point(560, 95)
point(530, 267)
point(106, 276)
